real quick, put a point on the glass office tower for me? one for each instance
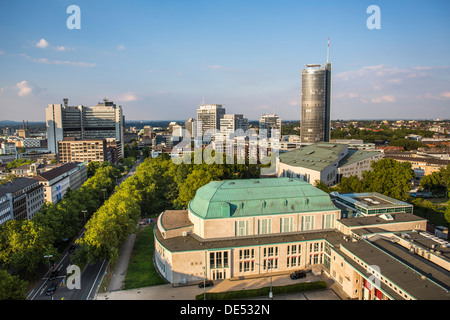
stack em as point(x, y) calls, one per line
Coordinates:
point(315, 103)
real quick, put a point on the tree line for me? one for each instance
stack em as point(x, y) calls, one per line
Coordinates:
point(25, 243)
point(158, 184)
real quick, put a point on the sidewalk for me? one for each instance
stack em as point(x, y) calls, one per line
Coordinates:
point(121, 266)
point(168, 292)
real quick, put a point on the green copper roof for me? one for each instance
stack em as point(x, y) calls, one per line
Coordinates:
point(317, 156)
point(255, 197)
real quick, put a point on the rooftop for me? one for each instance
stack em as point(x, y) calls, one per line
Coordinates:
point(403, 268)
point(253, 197)
point(317, 156)
point(15, 185)
point(371, 221)
point(56, 172)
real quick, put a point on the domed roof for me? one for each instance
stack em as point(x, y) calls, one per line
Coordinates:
point(255, 197)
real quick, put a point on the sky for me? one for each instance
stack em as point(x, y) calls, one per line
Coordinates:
point(160, 60)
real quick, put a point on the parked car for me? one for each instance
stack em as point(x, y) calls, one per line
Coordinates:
point(51, 290)
point(53, 275)
point(298, 275)
point(207, 283)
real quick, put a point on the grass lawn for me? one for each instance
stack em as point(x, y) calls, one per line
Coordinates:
point(141, 271)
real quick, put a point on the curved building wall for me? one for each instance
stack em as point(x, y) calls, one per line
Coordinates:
point(315, 105)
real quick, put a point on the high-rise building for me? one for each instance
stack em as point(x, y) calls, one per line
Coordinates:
point(232, 122)
point(191, 127)
point(103, 121)
point(315, 105)
point(208, 118)
point(270, 122)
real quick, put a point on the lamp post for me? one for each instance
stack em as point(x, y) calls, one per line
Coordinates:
point(204, 283)
point(84, 215)
point(104, 194)
point(270, 292)
point(48, 259)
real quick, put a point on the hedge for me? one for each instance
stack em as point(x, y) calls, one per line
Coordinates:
point(261, 292)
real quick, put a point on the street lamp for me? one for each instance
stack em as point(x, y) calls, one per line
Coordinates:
point(270, 267)
point(104, 194)
point(84, 215)
point(204, 283)
point(48, 258)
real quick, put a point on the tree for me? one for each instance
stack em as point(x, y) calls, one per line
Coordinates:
point(12, 287)
point(350, 184)
point(433, 182)
point(322, 186)
point(196, 179)
point(23, 245)
point(389, 177)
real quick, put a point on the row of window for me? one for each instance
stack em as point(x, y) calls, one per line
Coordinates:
point(287, 224)
point(269, 255)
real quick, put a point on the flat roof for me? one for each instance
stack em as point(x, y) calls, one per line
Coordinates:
point(174, 219)
point(319, 156)
point(370, 200)
point(373, 220)
point(403, 268)
point(16, 185)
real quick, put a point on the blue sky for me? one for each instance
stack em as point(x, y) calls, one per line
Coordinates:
point(161, 59)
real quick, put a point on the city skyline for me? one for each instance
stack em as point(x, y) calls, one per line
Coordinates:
point(158, 60)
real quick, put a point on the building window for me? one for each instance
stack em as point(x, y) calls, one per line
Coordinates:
point(287, 224)
point(293, 255)
point(218, 259)
point(265, 226)
point(307, 223)
point(270, 255)
point(242, 228)
point(246, 260)
point(328, 221)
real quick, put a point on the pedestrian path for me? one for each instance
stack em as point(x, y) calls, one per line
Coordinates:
point(120, 269)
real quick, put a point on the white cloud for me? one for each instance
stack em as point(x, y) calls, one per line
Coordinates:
point(388, 98)
point(42, 44)
point(441, 96)
point(75, 63)
point(219, 67)
point(445, 95)
point(126, 97)
point(2, 52)
point(65, 62)
point(61, 48)
point(121, 47)
point(25, 88)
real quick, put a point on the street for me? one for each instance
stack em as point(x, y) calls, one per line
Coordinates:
point(89, 278)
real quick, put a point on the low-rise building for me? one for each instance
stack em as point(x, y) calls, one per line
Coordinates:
point(427, 164)
point(325, 161)
point(20, 199)
point(58, 180)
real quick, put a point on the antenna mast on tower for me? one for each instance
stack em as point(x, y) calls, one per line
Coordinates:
point(328, 50)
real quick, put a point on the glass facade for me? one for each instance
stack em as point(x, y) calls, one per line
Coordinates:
point(315, 104)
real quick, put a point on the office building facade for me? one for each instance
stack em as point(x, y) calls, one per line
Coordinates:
point(208, 118)
point(20, 199)
point(103, 121)
point(270, 124)
point(230, 123)
point(315, 122)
